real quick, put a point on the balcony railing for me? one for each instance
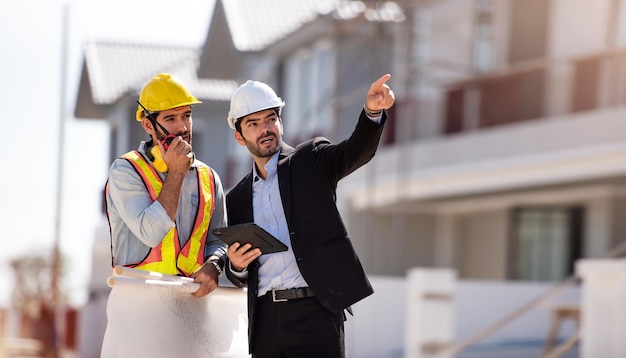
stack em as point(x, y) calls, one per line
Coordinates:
point(536, 90)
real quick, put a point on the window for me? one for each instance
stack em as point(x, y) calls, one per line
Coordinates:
point(309, 92)
point(484, 35)
point(545, 243)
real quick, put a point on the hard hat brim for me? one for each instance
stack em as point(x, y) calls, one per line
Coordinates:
point(232, 121)
point(139, 116)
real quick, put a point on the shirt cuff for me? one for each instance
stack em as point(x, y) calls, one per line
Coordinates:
point(238, 274)
point(375, 119)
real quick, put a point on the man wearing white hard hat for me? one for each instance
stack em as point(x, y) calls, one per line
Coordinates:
point(297, 297)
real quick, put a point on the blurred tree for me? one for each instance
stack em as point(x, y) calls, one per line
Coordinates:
point(33, 277)
point(33, 297)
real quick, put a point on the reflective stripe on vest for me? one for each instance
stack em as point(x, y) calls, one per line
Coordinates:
point(168, 257)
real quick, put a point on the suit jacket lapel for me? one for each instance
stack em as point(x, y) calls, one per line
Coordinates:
point(248, 214)
point(284, 180)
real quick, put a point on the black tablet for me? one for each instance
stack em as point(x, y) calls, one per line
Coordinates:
point(250, 233)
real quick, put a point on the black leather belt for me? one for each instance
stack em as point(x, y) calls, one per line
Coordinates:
point(290, 294)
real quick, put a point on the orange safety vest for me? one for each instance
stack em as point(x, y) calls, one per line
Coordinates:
point(169, 257)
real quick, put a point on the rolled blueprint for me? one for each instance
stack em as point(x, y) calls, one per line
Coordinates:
point(183, 286)
point(132, 272)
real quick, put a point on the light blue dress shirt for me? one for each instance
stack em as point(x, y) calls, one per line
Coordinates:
point(278, 270)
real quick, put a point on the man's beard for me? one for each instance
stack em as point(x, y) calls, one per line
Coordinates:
point(257, 151)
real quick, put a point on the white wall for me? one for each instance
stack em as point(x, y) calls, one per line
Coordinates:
point(377, 328)
point(567, 37)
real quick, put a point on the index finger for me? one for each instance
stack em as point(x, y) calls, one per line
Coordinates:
point(381, 81)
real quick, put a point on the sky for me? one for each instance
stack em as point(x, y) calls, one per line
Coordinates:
point(35, 120)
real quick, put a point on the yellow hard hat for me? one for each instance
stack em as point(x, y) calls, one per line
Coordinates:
point(164, 92)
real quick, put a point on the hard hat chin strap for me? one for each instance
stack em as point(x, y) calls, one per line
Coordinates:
point(152, 118)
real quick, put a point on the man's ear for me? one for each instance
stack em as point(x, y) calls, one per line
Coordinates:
point(239, 138)
point(147, 126)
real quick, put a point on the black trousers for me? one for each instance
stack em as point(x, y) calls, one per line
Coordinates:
point(297, 328)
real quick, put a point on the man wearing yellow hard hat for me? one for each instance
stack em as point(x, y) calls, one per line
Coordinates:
point(162, 203)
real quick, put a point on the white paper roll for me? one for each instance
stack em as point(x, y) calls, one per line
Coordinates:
point(153, 317)
point(132, 272)
point(188, 287)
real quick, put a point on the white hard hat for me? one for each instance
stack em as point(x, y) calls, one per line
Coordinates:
point(252, 97)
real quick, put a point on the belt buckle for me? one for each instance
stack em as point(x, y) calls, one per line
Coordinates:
point(274, 299)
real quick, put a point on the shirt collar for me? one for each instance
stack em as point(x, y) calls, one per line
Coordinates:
point(270, 167)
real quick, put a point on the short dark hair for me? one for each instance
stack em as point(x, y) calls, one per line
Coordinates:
point(238, 125)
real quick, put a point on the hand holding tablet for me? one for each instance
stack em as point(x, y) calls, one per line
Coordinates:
point(250, 233)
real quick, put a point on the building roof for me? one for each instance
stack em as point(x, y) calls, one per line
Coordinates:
point(248, 26)
point(112, 70)
point(116, 68)
point(255, 24)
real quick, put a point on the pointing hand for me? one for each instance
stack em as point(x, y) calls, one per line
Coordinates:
point(379, 95)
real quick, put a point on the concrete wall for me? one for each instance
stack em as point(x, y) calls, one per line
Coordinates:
point(389, 243)
point(483, 240)
point(377, 328)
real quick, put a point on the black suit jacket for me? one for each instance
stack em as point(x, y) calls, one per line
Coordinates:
point(307, 177)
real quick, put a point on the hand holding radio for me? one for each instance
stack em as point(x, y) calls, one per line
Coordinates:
point(157, 153)
point(167, 141)
point(181, 157)
point(172, 153)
